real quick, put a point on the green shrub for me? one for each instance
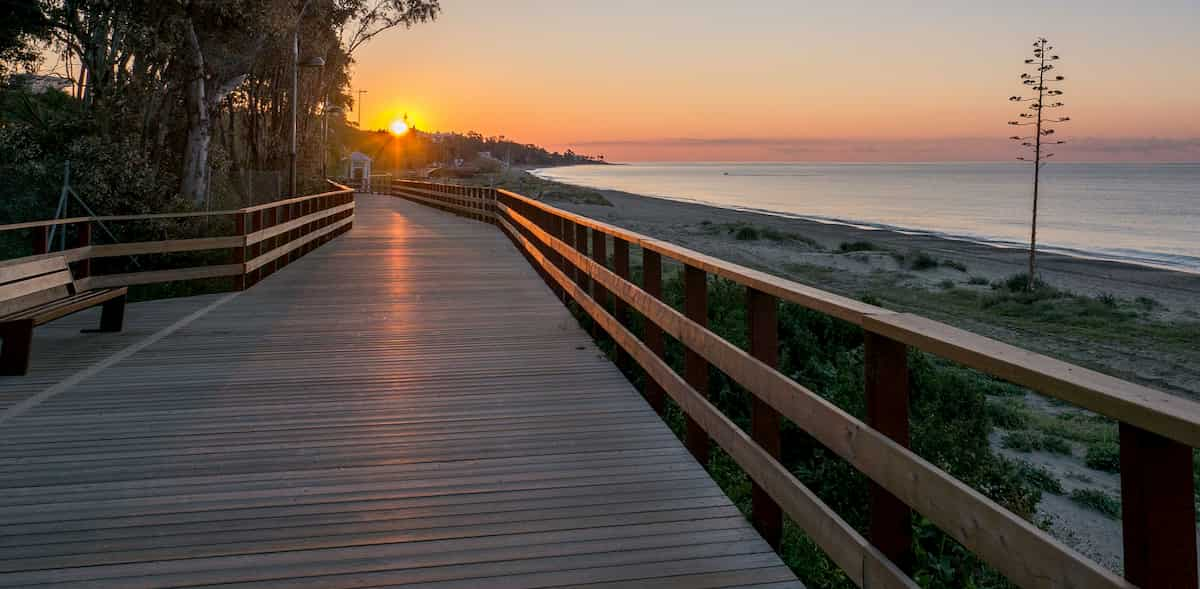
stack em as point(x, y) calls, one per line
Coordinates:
point(946, 284)
point(1097, 500)
point(871, 299)
point(1056, 445)
point(961, 267)
point(1020, 441)
point(977, 280)
point(1147, 302)
point(1007, 415)
point(1041, 478)
point(746, 233)
point(1104, 456)
point(1020, 283)
point(923, 261)
point(858, 246)
point(1024, 441)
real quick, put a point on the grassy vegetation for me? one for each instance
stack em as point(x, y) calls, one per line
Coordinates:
point(1041, 478)
point(919, 261)
point(1098, 501)
point(748, 232)
point(529, 185)
point(1026, 441)
point(1105, 456)
point(955, 265)
point(1047, 311)
point(858, 246)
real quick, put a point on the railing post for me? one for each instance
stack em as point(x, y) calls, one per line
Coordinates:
point(581, 277)
point(279, 214)
point(695, 367)
point(620, 307)
point(83, 238)
point(762, 317)
point(886, 375)
point(256, 221)
point(1158, 512)
point(553, 225)
point(40, 240)
point(600, 256)
point(239, 253)
point(652, 334)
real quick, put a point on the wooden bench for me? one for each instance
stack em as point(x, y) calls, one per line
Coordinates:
point(38, 292)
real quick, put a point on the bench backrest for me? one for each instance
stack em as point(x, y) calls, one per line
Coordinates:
point(28, 284)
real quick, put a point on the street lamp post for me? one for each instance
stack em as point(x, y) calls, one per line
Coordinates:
point(358, 106)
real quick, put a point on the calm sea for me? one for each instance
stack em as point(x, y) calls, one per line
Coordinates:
point(1144, 213)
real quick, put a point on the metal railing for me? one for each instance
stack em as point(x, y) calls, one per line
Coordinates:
point(1157, 431)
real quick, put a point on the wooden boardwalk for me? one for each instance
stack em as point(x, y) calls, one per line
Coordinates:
point(406, 406)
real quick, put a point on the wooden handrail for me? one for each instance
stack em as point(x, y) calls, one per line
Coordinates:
point(974, 520)
point(274, 233)
point(1158, 431)
point(340, 189)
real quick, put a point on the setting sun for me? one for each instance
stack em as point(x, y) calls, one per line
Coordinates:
point(398, 127)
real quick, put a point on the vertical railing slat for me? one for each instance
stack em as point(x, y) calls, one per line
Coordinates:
point(886, 375)
point(239, 253)
point(600, 256)
point(581, 245)
point(1158, 510)
point(695, 367)
point(762, 318)
point(652, 334)
point(620, 307)
point(40, 240)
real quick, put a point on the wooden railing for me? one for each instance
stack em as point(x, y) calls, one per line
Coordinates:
point(1157, 430)
point(264, 238)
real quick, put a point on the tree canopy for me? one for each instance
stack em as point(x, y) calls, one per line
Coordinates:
point(190, 95)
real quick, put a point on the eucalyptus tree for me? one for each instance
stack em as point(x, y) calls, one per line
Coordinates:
point(162, 71)
point(1042, 92)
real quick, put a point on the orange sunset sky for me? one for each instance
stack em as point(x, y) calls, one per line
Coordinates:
point(791, 80)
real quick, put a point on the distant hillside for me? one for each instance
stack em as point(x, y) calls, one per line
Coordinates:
point(419, 149)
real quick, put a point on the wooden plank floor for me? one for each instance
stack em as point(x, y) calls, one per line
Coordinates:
point(406, 406)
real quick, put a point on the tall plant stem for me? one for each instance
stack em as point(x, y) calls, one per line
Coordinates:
point(1037, 162)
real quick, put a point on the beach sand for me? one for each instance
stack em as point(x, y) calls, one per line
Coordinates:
point(712, 230)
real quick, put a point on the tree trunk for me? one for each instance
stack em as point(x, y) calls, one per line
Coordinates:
point(194, 178)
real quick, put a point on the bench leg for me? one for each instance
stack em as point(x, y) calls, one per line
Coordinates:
point(15, 347)
point(112, 315)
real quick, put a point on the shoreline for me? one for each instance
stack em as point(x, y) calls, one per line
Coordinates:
point(1187, 265)
point(1079, 273)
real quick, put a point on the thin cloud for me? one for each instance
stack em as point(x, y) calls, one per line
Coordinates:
point(948, 148)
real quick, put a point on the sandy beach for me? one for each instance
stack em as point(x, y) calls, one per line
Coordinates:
point(809, 253)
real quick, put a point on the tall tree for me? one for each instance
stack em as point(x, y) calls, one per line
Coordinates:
point(1043, 94)
point(221, 38)
point(23, 20)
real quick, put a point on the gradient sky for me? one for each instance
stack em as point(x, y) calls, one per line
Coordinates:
point(792, 80)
